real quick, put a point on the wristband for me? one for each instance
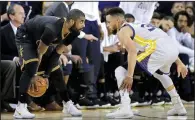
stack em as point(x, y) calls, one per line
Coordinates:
point(82, 34)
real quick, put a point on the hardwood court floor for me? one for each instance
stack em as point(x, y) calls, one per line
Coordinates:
point(145, 113)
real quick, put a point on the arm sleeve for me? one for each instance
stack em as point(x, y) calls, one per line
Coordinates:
point(48, 35)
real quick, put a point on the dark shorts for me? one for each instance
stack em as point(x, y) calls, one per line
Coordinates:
point(28, 54)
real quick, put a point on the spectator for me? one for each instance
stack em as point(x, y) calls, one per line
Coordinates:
point(182, 21)
point(31, 8)
point(167, 23)
point(16, 16)
point(156, 18)
point(129, 18)
point(191, 11)
point(177, 7)
point(90, 50)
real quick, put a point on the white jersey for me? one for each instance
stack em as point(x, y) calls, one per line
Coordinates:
point(153, 46)
point(155, 49)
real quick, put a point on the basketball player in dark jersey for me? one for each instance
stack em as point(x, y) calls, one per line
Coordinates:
point(33, 40)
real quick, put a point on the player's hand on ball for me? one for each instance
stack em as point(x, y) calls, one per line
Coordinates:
point(90, 37)
point(127, 84)
point(33, 86)
point(182, 70)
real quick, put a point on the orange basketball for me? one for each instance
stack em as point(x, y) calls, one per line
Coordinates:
point(41, 84)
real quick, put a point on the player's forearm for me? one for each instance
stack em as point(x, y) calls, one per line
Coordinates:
point(42, 48)
point(131, 63)
point(178, 61)
point(54, 58)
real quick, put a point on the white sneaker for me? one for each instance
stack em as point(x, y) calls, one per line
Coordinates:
point(123, 112)
point(178, 108)
point(22, 112)
point(71, 109)
point(187, 102)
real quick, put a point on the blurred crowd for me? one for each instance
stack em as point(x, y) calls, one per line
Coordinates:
point(92, 83)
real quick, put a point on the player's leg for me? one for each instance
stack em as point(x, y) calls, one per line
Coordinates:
point(30, 63)
point(166, 81)
point(159, 65)
point(125, 109)
point(57, 78)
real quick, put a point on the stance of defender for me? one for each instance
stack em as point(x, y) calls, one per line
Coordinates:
point(149, 47)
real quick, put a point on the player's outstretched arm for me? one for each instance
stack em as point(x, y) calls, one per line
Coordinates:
point(124, 36)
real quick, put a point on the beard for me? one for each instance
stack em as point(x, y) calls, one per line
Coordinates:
point(73, 28)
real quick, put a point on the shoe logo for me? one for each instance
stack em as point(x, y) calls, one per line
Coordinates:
point(18, 112)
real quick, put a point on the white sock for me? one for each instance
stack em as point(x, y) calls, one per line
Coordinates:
point(120, 74)
point(167, 84)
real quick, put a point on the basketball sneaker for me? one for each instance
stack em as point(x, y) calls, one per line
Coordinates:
point(71, 109)
point(123, 112)
point(22, 112)
point(178, 108)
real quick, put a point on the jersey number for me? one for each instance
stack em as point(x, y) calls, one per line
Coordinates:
point(148, 26)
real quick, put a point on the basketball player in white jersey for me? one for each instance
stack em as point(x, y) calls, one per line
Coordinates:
point(149, 47)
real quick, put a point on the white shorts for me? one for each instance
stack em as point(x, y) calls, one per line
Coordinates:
point(162, 58)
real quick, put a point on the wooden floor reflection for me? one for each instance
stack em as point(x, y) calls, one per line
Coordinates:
point(145, 113)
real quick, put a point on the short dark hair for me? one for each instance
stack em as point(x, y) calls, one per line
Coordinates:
point(115, 11)
point(169, 18)
point(156, 15)
point(75, 14)
point(10, 10)
point(184, 13)
point(128, 15)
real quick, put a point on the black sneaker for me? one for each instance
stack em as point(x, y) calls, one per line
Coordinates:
point(142, 102)
point(113, 101)
point(157, 101)
point(101, 103)
point(134, 99)
point(167, 100)
point(84, 103)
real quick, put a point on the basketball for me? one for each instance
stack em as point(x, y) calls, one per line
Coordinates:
point(41, 84)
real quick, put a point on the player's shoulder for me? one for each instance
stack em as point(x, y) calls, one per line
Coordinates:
point(126, 29)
